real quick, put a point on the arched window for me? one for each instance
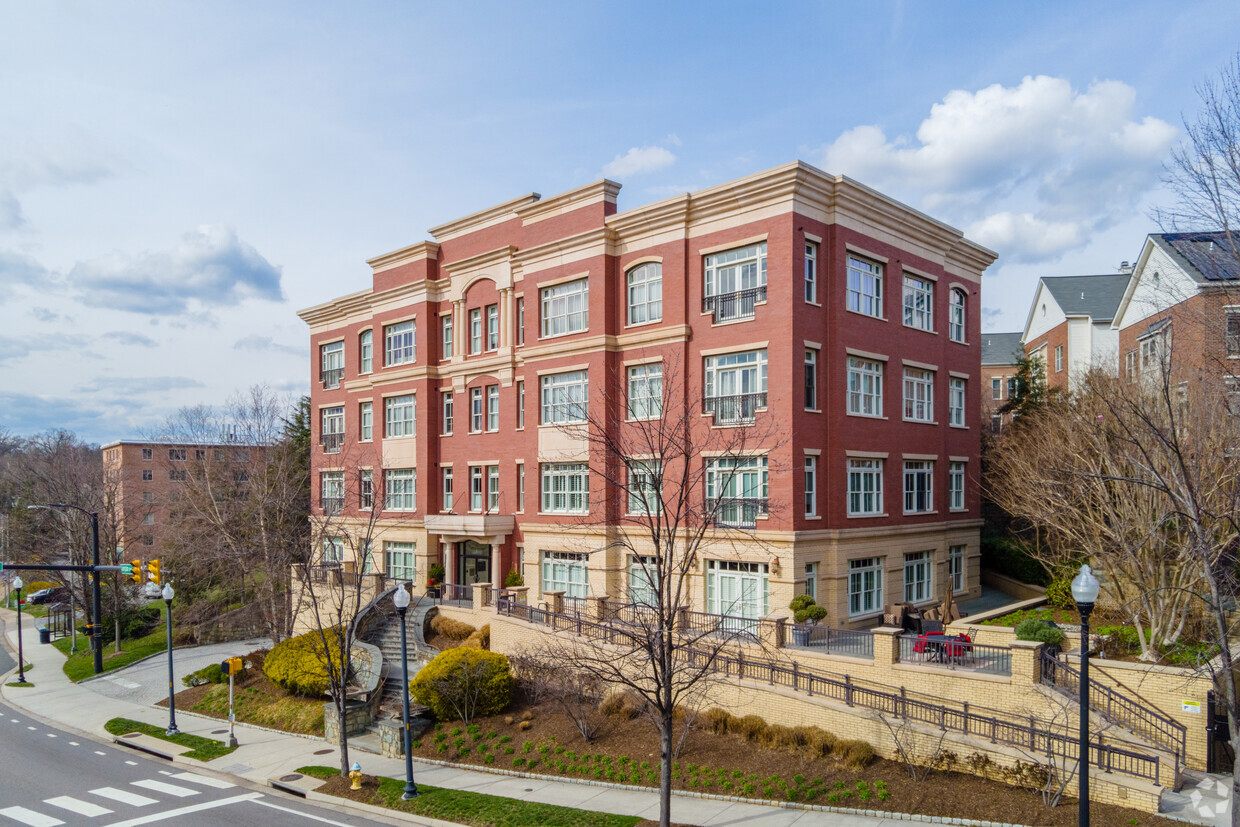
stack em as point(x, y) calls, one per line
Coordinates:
point(645, 286)
point(366, 348)
point(956, 316)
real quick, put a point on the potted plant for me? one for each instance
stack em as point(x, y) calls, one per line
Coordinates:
point(806, 613)
point(434, 576)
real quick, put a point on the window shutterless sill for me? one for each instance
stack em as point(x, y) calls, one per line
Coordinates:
point(864, 416)
point(814, 303)
point(920, 513)
point(865, 315)
point(867, 615)
point(813, 410)
point(643, 324)
point(813, 516)
point(866, 516)
point(921, 329)
point(920, 421)
point(562, 335)
point(960, 427)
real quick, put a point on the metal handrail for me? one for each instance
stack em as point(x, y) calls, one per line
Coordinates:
point(955, 653)
point(741, 408)
point(331, 377)
point(332, 443)
point(747, 510)
point(332, 505)
point(739, 304)
point(855, 642)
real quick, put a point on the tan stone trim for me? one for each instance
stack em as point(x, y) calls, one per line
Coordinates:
point(920, 457)
point(958, 459)
point(365, 399)
point(921, 274)
point(409, 317)
point(866, 454)
point(739, 348)
point(331, 405)
point(331, 341)
point(865, 354)
point(542, 285)
point(481, 463)
point(812, 238)
point(964, 288)
point(646, 360)
point(864, 253)
point(813, 452)
point(601, 191)
point(909, 363)
point(638, 262)
point(591, 344)
point(882, 532)
point(753, 452)
point(588, 244)
point(405, 255)
point(483, 218)
point(812, 345)
point(409, 392)
point(564, 369)
point(733, 245)
point(955, 374)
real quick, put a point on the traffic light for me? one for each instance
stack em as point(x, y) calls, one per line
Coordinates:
point(135, 573)
point(232, 666)
point(152, 569)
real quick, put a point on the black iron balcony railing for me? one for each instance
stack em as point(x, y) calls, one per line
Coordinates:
point(331, 377)
point(737, 512)
point(741, 409)
point(332, 505)
point(736, 305)
point(332, 443)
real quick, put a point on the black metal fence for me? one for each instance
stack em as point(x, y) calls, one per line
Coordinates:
point(739, 304)
point(734, 410)
point(854, 643)
point(955, 653)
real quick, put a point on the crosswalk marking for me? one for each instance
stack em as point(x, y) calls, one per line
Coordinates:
point(167, 815)
point(123, 796)
point(29, 727)
point(74, 744)
point(204, 780)
point(51, 735)
point(30, 817)
point(168, 789)
point(132, 763)
point(73, 805)
point(100, 752)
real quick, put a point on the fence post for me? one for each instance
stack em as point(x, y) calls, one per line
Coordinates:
point(796, 678)
point(886, 645)
point(903, 703)
point(555, 602)
point(848, 690)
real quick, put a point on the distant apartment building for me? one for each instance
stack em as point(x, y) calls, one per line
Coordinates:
point(1069, 325)
point(1001, 355)
point(805, 306)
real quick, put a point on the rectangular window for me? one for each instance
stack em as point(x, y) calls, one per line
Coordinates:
point(919, 303)
point(333, 551)
point(865, 387)
point(918, 577)
point(492, 488)
point(955, 486)
point(366, 489)
point(645, 284)
point(475, 330)
point(865, 586)
point(565, 572)
point(865, 287)
point(865, 487)
point(366, 351)
point(475, 410)
point(735, 387)
point(955, 316)
point(399, 489)
point(1233, 332)
point(148, 476)
point(564, 397)
point(331, 435)
point(475, 488)
point(738, 589)
point(1011, 387)
point(521, 486)
point(520, 320)
point(735, 282)
point(811, 486)
point(447, 488)
point(147, 454)
point(955, 568)
point(398, 346)
point(492, 407)
point(521, 405)
point(918, 395)
point(955, 401)
point(148, 519)
point(811, 379)
point(176, 476)
point(445, 334)
point(996, 388)
point(646, 391)
point(643, 581)
point(811, 272)
point(737, 491)
point(1058, 357)
point(176, 454)
point(811, 580)
point(398, 416)
point(492, 327)
point(566, 308)
point(1130, 365)
point(565, 487)
point(645, 487)
point(399, 560)
point(331, 364)
point(148, 497)
point(200, 455)
point(331, 491)
point(918, 486)
point(366, 418)
point(447, 412)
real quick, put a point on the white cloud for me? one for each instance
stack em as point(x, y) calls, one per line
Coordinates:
point(639, 160)
point(257, 343)
point(1035, 168)
point(18, 270)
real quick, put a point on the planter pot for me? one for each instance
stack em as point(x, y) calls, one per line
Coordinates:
point(800, 637)
point(433, 592)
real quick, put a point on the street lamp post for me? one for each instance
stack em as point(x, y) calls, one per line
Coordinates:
point(96, 642)
point(21, 660)
point(172, 701)
point(1084, 592)
point(401, 599)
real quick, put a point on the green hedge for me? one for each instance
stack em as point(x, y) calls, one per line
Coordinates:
point(299, 664)
point(1034, 629)
point(447, 676)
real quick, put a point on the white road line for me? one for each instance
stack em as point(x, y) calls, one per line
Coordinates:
point(73, 805)
point(14, 720)
point(167, 789)
point(299, 814)
point(97, 752)
point(123, 796)
point(204, 780)
point(30, 817)
point(132, 763)
point(74, 744)
point(196, 808)
point(51, 735)
point(29, 727)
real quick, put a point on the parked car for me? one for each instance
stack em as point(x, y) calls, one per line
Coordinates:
point(48, 595)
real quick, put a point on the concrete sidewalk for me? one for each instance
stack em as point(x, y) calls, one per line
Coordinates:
point(129, 693)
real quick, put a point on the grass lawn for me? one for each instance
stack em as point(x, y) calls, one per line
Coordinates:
point(258, 701)
point(463, 807)
point(82, 665)
point(204, 749)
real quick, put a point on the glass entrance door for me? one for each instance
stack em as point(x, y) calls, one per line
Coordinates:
point(473, 561)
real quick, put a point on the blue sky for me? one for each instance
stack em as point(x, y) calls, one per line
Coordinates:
point(177, 179)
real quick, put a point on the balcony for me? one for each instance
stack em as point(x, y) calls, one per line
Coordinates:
point(332, 505)
point(741, 409)
point(736, 512)
point(330, 377)
point(471, 525)
point(332, 443)
point(729, 307)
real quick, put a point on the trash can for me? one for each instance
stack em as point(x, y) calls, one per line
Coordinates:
point(45, 635)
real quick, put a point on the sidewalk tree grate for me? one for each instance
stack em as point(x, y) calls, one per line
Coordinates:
point(291, 776)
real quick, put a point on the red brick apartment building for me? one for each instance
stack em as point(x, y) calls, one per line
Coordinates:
point(1001, 353)
point(1069, 327)
point(790, 298)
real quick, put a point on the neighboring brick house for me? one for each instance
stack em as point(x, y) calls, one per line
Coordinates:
point(1001, 353)
point(790, 297)
point(1184, 303)
point(1069, 325)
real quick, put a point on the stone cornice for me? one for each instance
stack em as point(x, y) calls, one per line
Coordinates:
point(603, 190)
point(405, 255)
point(594, 242)
point(482, 219)
point(479, 262)
point(320, 315)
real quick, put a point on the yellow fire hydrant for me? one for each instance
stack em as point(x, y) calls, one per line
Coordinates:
point(355, 775)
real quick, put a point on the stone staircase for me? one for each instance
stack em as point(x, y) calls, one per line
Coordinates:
point(386, 636)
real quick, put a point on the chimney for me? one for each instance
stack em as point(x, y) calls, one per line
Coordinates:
point(1125, 267)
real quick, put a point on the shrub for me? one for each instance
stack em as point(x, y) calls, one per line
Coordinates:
point(513, 579)
point(779, 737)
point(751, 727)
point(811, 614)
point(621, 705)
point(464, 683)
point(299, 664)
point(208, 674)
point(136, 622)
point(451, 629)
point(1059, 591)
point(855, 754)
point(1039, 630)
point(480, 639)
point(716, 720)
point(801, 601)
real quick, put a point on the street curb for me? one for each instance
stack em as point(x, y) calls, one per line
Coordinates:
point(370, 809)
point(112, 673)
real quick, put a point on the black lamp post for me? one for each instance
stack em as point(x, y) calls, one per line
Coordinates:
point(1084, 592)
point(401, 599)
point(21, 661)
point(96, 642)
point(172, 701)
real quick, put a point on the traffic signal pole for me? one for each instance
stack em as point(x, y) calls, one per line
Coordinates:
point(96, 641)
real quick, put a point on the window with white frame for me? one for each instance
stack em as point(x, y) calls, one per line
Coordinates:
point(566, 572)
point(565, 487)
point(918, 576)
point(445, 336)
point(148, 454)
point(865, 487)
point(492, 407)
point(398, 416)
point(996, 388)
point(737, 589)
point(492, 488)
point(446, 396)
point(918, 486)
point(446, 474)
point(332, 433)
point(735, 282)
point(399, 559)
point(643, 581)
point(1232, 333)
point(811, 379)
point(475, 410)
point(398, 344)
point(811, 580)
point(955, 486)
point(737, 491)
point(645, 285)
point(521, 405)
point(366, 418)
point(331, 489)
point(865, 586)
point(811, 486)
point(366, 489)
point(148, 475)
point(865, 387)
point(331, 364)
point(1058, 358)
point(564, 397)
point(520, 320)
point(918, 302)
point(148, 518)
point(475, 488)
point(365, 553)
point(520, 486)
point(735, 386)
point(956, 315)
point(918, 395)
point(645, 494)
point(1012, 383)
point(955, 401)
point(399, 489)
point(492, 327)
point(864, 292)
point(176, 454)
point(475, 330)
point(811, 272)
point(566, 308)
point(646, 391)
point(955, 568)
point(366, 351)
point(333, 551)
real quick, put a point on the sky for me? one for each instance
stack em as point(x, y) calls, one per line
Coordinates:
point(178, 179)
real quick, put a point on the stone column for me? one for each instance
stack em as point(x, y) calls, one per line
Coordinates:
point(555, 601)
point(596, 608)
point(505, 317)
point(497, 576)
point(482, 592)
point(1026, 661)
point(449, 563)
point(887, 645)
point(460, 335)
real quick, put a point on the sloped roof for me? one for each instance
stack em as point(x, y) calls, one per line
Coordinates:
point(1095, 296)
point(1001, 348)
point(1204, 256)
